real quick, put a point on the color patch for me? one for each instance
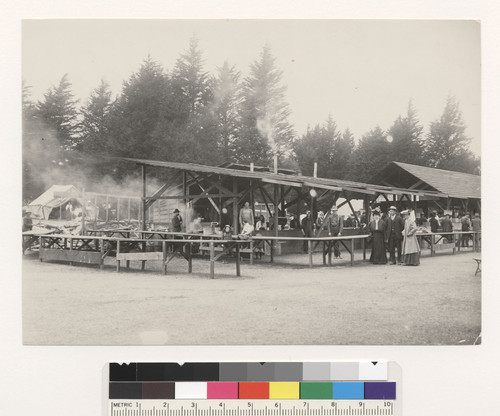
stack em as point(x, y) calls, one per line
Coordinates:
point(348, 390)
point(288, 372)
point(316, 371)
point(380, 390)
point(316, 391)
point(125, 391)
point(222, 390)
point(260, 371)
point(158, 390)
point(233, 372)
point(373, 370)
point(344, 371)
point(190, 390)
point(284, 390)
point(253, 390)
point(122, 372)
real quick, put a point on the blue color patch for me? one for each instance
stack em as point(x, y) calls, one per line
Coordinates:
point(349, 390)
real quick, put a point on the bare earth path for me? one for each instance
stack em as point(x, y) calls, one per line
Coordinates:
point(438, 302)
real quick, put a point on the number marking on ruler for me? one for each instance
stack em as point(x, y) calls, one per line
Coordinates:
point(251, 408)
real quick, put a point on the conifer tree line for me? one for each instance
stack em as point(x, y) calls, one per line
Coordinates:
point(186, 114)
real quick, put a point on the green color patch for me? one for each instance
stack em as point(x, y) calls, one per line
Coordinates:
point(316, 390)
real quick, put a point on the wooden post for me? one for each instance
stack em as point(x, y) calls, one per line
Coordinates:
point(235, 206)
point(238, 259)
point(432, 245)
point(71, 249)
point(143, 174)
point(352, 252)
point(189, 256)
point(276, 213)
point(310, 252)
point(454, 241)
point(324, 253)
point(101, 263)
point(164, 249)
point(363, 245)
point(251, 251)
point(117, 253)
point(212, 260)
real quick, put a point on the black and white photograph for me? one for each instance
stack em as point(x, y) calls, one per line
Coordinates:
point(251, 182)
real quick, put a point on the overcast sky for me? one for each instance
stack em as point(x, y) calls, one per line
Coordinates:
point(362, 72)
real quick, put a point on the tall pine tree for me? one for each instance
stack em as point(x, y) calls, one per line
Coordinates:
point(406, 134)
point(58, 111)
point(226, 102)
point(94, 127)
point(370, 156)
point(264, 112)
point(447, 145)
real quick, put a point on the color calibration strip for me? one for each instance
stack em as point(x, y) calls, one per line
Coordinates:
point(268, 381)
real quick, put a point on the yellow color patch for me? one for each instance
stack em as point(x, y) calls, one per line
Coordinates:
point(284, 390)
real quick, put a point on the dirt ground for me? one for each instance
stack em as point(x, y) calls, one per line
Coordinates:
point(438, 302)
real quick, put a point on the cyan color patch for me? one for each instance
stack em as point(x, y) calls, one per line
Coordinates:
point(348, 390)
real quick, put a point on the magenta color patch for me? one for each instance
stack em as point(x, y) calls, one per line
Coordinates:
point(222, 390)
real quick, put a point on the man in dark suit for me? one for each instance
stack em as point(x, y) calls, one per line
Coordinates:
point(393, 234)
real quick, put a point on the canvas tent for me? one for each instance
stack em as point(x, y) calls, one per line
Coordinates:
point(55, 197)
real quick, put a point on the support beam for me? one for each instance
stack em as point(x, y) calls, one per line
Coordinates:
point(276, 213)
point(235, 206)
point(143, 202)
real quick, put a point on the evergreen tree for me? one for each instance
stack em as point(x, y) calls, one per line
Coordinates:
point(190, 81)
point(447, 145)
point(264, 111)
point(342, 150)
point(327, 146)
point(58, 111)
point(94, 127)
point(134, 117)
point(226, 101)
point(371, 155)
point(406, 134)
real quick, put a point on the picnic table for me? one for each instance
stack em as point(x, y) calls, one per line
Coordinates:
point(93, 249)
point(441, 241)
point(347, 241)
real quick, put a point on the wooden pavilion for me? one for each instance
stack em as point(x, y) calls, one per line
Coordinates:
point(231, 185)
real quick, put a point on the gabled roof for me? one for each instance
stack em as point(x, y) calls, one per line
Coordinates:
point(453, 184)
point(354, 189)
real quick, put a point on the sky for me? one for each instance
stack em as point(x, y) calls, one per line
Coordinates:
point(362, 72)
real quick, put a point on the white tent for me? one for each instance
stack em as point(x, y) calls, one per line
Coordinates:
point(54, 197)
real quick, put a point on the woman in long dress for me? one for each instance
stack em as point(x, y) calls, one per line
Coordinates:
point(411, 249)
point(377, 232)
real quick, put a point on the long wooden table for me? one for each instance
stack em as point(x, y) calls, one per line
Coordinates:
point(440, 240)
point(91, 249)
point(347, 242)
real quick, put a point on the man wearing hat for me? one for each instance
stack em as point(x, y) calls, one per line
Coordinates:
point(307, 226)
point(393, 234)
point(335, 226)
point(177, 222)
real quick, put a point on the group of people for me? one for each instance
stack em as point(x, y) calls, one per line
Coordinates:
point(332, 221)
point(448, 224)
point(394, 234)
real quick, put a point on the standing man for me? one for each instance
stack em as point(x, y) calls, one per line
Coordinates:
point(447, 227)
point(393, 234)
point(476, 226)
point(177, 222)
point(466, 225)
point(246, 215)
point(307, 228)
point(335, 226)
